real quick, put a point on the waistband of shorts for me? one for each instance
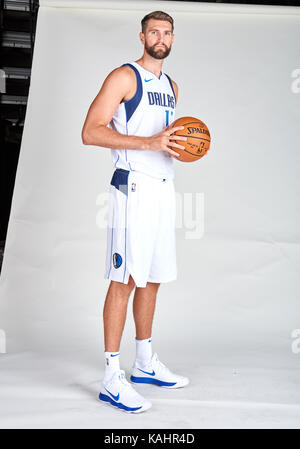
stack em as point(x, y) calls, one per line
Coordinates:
point(162, 178)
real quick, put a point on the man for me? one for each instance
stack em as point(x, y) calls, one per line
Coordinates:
point(138, 101)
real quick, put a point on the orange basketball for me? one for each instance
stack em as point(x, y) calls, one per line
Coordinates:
point(198, 139)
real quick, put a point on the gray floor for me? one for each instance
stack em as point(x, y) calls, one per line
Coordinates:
point(226, 391)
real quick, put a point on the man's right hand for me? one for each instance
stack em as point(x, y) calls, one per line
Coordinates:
point(165, 139)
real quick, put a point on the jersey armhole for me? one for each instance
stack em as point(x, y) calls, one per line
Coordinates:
point(132, 104)
point(170, 81)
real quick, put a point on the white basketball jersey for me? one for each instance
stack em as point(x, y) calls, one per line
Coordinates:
point(146, 114)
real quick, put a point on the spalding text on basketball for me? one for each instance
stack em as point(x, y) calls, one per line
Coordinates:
point(194, 130)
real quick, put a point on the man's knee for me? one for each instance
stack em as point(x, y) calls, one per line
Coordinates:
point(131, 283)
point(124, 287)
point(153, 285)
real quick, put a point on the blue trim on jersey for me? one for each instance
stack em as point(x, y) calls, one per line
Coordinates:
point(111, 247)
point(126, 203)
point(150, 380)
point(171, 87)
point(132, 104)
point(117, 161)
point(127, 135)
point(106, 398)
point(120, 178)
point(125, 234)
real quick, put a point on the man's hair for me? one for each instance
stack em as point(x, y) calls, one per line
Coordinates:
point(157, 15)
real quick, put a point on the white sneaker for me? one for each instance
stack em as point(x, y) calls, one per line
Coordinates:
point(155, 372)
point(119, 393)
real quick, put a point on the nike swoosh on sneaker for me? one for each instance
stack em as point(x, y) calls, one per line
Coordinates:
point(147, 81)
point(116, 398)
point(150, 374)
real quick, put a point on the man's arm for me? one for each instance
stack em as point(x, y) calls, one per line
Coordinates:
point(116, 87)
point(175, 87)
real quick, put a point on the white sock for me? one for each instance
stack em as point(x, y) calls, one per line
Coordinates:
point(112, 364)
point(143, 351)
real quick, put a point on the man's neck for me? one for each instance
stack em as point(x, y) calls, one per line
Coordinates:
point(151, 64)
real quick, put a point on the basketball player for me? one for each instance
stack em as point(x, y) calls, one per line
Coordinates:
point(138, 101)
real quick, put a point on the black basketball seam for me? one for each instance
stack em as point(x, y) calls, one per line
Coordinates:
point(190, 137)
point(190, 123)
point(196, 155)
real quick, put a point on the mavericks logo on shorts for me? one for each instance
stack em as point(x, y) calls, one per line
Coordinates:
point(117, 260)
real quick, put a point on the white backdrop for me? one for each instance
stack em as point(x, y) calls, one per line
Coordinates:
point(237, 291)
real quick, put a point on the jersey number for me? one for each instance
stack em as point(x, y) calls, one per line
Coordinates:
point(168, 117)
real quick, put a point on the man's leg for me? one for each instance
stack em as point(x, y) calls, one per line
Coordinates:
point(115, 389)
point(114, 313)
point(143, 309)
point(147, 367)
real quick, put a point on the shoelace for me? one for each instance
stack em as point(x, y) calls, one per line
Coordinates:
point(159, 366)
point(124, 381)
point(123, 378)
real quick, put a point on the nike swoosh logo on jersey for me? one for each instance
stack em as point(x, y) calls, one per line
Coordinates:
point(114, 355)
point(116, 398)
point(146, 81)
point(150, 374)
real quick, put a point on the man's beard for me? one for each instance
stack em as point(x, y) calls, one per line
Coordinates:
point(158, 54)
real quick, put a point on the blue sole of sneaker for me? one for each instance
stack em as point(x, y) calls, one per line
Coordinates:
point(149, 380)
point(105, 398)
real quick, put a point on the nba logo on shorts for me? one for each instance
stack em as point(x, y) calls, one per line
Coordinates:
point(133, 187)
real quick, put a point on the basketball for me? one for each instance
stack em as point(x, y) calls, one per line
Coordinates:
point(198, 139)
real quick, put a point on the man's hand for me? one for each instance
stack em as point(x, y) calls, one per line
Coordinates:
point(164, 140)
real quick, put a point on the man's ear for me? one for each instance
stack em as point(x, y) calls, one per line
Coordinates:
point(142, 37)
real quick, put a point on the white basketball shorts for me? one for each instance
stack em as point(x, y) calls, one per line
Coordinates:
point(141, 239)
